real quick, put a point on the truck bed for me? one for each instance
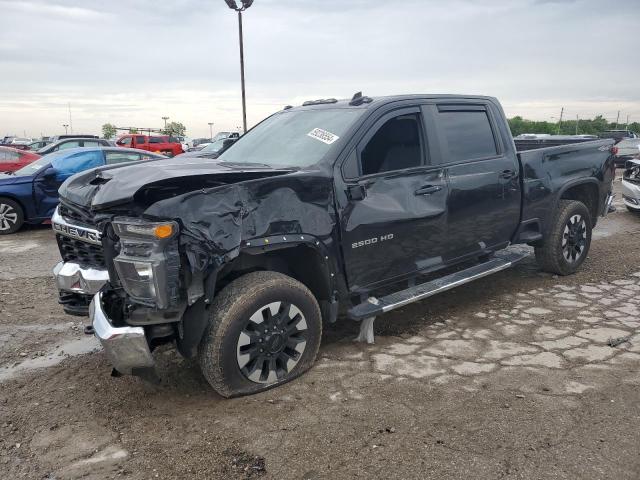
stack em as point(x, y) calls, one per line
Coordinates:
point(555, 141)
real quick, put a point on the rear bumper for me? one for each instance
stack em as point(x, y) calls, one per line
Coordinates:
point(126, 347)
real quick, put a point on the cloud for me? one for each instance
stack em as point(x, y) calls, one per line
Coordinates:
point(139, 60)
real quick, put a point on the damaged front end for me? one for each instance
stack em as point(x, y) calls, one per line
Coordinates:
point(150, 265)
point(631, 184)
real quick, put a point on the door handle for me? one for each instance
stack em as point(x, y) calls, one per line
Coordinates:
point(428, 189)
point(507, 174)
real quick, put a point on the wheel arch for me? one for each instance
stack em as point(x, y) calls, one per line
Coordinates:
point(585, 191)
point(13, 198)
point(304, 262)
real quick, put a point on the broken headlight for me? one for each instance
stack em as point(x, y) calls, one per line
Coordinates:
point(148, 261)
point(632, 171)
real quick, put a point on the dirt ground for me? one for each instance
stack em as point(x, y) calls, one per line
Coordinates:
point(508, 377)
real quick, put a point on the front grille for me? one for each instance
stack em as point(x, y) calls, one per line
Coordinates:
point(74, 215)
point(83, 253)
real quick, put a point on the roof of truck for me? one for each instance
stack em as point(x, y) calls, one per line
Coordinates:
point(376, 101)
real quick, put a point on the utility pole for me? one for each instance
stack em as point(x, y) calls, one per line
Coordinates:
point(165, 124)
point(211, 130)
point(66, 128)
point(577, 121)
point(234, 6)
point(617, 120)
point(70, 122)
point(560, 122)
point(627, 122)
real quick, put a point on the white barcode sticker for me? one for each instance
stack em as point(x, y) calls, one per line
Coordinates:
point(323, 136)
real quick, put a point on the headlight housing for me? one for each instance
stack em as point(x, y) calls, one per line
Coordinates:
point(148, 262)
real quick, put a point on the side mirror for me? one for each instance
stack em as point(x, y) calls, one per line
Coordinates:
point(50, 173)
point(228, 142)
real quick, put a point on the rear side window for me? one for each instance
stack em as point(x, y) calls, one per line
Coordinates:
point(155, 139)
point(140, 140)
point(121, 157)
point(467, 133)
point(9, 157)
point(72, 144)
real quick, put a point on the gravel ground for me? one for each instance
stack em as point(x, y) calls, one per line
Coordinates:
point(508, 377)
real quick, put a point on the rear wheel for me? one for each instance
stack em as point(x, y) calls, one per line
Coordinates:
point(11, 216)
point(264, 330)
point(569, 239)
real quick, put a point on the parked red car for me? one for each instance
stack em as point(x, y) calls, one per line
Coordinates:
point(158, 143)
point(12, 159)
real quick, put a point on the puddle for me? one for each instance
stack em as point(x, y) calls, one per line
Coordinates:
point(81, 346)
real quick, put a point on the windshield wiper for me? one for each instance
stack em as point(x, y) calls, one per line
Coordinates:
point(257, 164)
point(247, 164)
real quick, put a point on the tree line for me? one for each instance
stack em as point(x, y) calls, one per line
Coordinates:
point(173, 129)
point(588, 126)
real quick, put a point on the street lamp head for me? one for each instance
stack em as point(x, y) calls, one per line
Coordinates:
point(246, 4)
point(232, 4)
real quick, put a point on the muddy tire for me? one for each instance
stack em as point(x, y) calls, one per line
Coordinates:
point(11, 216)
point(569, 239)
point(264, 330)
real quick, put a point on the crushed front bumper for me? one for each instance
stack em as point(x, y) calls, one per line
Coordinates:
point(77, 285)
point(126, 347)
point(72, 277)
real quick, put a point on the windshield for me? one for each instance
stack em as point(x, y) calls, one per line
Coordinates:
point(33, 167)
point(296, 138)
point(214, 147)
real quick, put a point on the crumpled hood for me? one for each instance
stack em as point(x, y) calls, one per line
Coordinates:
point(118, 184)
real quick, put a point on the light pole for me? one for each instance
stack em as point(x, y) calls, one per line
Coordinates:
point(165, 123)
point(234, 6)
point(66, 128)
point(210, 130)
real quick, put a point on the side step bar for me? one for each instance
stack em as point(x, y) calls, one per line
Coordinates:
point(376, 306)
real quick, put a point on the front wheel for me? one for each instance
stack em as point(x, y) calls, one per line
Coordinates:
point(569, 239)
point(11, 216)
point(264, 330)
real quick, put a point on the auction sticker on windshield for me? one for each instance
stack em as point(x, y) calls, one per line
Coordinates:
point(323, 136)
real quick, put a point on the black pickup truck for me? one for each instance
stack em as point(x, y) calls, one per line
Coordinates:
point(332, 209)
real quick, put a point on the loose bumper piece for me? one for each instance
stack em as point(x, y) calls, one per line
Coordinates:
point(126, 347)
point(71, 277)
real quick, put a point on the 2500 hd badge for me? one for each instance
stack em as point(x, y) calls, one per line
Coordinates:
point(371, 241)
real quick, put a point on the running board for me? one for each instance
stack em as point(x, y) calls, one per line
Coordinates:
point(376, 306)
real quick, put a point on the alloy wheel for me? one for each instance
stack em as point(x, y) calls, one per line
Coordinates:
point(8, 217)
point(272, 342)
point(574, 238)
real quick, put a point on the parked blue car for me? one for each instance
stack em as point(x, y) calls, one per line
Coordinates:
point(30, 195)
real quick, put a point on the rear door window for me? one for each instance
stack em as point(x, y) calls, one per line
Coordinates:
point(467, 133)
point(140, 140)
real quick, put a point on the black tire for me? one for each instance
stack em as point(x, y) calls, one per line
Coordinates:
point(11, 216)
point(569, 239)
point(633, 210)
point(272, 355)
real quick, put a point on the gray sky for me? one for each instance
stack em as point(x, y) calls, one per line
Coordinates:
point(132, 62)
